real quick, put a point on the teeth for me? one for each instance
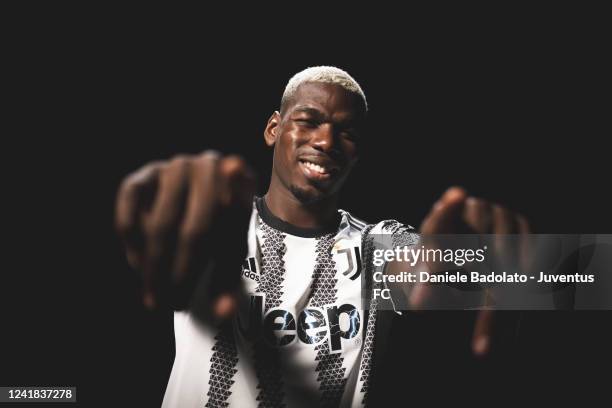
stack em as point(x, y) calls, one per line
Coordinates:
point(315, 167)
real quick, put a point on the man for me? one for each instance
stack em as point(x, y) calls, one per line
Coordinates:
point(296, 330)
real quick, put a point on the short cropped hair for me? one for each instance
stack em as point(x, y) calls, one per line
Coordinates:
point(323, 74)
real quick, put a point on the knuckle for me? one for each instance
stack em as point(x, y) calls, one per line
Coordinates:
point(209, 155)
point(481, 212)
point(208, 158)
point(238, 180)
point(472, 203)
point(147, 170)
point(232, 165)
point(234, 162)
point(138, 179)
point(178, 166)
point(127, 187)
point(155, 164)
point(180, 161)
point(207, 162)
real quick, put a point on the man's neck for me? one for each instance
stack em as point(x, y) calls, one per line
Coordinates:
point(283, 204)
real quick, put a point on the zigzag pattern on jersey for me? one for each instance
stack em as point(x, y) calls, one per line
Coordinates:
point(397, 229)
point(267, 362)
point(368, 348)
point(402, 235)
point(368, 344)
point(222, 368)
point(323, 292)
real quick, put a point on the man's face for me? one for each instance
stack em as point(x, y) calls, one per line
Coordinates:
point(315, 140)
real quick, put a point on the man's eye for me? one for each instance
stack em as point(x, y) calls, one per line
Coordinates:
point(306, 123)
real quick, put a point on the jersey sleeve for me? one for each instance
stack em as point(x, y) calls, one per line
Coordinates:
point(401, 235)
point(388, 234)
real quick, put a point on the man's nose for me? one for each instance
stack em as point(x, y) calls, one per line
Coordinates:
point(324, 138)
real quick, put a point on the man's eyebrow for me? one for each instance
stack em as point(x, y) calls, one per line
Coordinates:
point(348, 121)
point(308, 109)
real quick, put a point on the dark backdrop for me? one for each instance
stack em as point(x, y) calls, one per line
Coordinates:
point(515, 117)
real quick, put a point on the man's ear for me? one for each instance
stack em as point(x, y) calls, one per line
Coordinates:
point(272, 128)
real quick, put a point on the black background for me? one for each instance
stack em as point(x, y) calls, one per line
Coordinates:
point(515, 115)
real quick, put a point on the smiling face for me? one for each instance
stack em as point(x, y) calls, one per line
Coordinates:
point(315, 139)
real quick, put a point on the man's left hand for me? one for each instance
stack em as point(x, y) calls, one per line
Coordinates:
point(456, 212)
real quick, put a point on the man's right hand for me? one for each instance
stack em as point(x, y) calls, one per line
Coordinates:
point(184, 217)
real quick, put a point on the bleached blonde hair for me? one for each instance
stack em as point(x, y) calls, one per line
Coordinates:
point(324, 74)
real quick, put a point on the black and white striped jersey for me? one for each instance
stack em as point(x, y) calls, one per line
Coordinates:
point(304, 336)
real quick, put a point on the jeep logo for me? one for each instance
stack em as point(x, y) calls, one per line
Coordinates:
point(313, 326)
